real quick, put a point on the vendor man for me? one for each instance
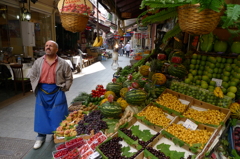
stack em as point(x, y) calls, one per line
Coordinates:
point(51, 77)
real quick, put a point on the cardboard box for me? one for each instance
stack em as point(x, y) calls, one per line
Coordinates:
point(161, 139)
point(183, 98)
point(151, 125)
point(202, 106)
point(179, 120)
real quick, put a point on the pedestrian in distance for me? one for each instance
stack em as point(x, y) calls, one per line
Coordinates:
point(51, 77)
point(120, 49)
point(128, 49)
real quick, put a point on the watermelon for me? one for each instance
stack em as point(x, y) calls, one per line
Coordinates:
point(179, 54)
point(111, 109)
point(177, 70)
point(135, 97)
point(159, 90)
point(115, 87)
point(127, 83)
point(148, 86)
point(160, 65)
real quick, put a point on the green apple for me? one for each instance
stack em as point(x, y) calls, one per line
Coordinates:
point(228, 68)
point(204, 58)
point(232, 83)
point(219, 76)
point(212, 83)
point(219, 59)
point(236, 75)
point(215, 70)
point(193, 61)
point(223, 60)
point(204, 85)
point(203, 63)
point(194, 72)
point(187, 80)
point(231, 94)
point(218, 65)
point(212, 65)
point(205, 78)
point(192, 66)
point(229, 60)
point(200, 72)
point(194, 56)
point(226, 73)
point(225, 85)
point(198, 82)
point(222, 65)
point(225, 79)
point(232, 89)
point(224, 90)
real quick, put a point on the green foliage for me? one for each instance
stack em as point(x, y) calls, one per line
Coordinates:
point(215, 5)
point(232, 14)
point(172, 33)
point(83, 96)
point(145, 135)
point(172, 154)
point(161, 16)
point(126, 153)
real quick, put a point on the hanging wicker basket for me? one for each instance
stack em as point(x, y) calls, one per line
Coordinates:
point(74, 22)
point(194, 22)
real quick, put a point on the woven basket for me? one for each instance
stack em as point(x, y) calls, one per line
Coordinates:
point(74, 22)
point(194, 22)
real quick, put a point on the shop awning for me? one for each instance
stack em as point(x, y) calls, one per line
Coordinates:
point(103, 27)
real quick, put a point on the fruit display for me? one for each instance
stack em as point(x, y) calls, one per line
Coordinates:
point(177, 70)
point(155, 115)
point(163, 152)
point(170, 101)
point(122, 102)
point(99, 91)
point(208, 72)
point(81, 107)
point(67, 127)
point(114, 86)
point(235, 113)
point(144, 70)
point(218, 92)
point(211, 117)
point(75, 8)
point(236, 138)
point(111, 108)
point(188, 136)
point(135, 97)
point(159, 78)
point(91, 122)
point(201, 94)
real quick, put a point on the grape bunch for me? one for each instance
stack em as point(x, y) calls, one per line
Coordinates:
point(92, 121)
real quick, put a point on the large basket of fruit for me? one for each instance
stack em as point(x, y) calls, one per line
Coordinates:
point(193, 21)
point(74, 16)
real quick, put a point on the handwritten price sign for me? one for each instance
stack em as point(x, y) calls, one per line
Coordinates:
point(190, 125)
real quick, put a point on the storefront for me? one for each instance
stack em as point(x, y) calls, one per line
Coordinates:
point(13, 31)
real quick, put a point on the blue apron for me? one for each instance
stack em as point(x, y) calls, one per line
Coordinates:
point(50, 109)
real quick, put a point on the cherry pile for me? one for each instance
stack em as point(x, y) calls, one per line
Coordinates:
point(157, 153)
point(61, 146)
point(71, 154)
point(60, 153)
point(92, 121)
point(142, 143)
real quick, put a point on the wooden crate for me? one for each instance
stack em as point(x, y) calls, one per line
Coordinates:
point(179, 120)
point(200, 105)
point(183, 98)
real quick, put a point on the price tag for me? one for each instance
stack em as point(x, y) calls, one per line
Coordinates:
point(190, 125)
point(218, 81)
point(94, 155)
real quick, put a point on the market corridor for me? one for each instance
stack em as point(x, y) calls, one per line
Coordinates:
point(16, 119)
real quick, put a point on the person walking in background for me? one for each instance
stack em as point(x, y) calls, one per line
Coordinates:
point(50, 77)
point(127, 48)
point(120, 49)
point(79, 52)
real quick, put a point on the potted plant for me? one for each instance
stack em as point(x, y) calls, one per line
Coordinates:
point(227, 14)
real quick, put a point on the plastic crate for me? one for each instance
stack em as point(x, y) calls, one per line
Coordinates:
point(63, 152)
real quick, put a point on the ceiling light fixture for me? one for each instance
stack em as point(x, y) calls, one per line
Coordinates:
point(26, 15)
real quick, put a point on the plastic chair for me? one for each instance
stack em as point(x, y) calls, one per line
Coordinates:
point(18, 77)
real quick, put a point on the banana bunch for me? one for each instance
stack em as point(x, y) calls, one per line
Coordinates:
point(98, 41)
point(218, 92)
point(235, 110)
